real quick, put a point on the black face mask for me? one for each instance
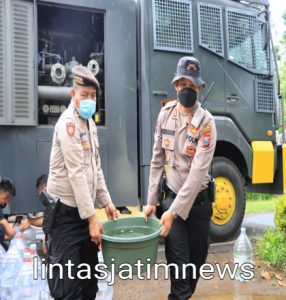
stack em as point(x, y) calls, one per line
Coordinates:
point(187, 97)
point(2, 206)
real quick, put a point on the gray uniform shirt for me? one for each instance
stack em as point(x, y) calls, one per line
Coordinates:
point(187, 150)
point(75, 174)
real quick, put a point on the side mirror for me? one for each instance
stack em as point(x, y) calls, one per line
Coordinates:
point(266, 35)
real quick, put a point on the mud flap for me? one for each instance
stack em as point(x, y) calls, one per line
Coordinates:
point(278, 186)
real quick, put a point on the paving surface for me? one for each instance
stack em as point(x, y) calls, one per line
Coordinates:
point(215, 289)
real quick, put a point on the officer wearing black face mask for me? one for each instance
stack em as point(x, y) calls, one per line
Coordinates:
point(187, 97)
point(185, 140)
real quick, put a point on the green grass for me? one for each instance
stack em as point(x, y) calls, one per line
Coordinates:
point(258, 196)
point(271, 247)
point(259, 203)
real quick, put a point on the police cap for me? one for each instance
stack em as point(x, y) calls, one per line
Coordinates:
point(189, 67)
point(84, 77)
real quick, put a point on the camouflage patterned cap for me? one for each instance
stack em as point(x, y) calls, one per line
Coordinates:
point(84, 77)
point(189, 67)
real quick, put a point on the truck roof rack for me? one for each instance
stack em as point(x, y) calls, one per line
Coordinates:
point(262, 2)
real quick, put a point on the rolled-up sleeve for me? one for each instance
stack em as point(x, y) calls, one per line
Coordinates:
point(74, 161)
point(198, 172)
point(157, 163)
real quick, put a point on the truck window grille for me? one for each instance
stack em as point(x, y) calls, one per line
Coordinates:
point(264, 96)
point(245, 41)
point(210, 28)
point(172, 25)
point(2, 54)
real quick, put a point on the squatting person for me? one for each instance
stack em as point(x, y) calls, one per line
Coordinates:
point(7, 192)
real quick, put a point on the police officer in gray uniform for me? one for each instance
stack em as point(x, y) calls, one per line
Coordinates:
point(185, 140)
point(76, 178)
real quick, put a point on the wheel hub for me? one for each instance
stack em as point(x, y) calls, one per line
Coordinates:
point(224, 205)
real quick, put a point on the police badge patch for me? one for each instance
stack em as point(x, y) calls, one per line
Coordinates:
point(190, 150)
point(193, 129)
point(167, 142)
point(206, 139)
point(70, 129)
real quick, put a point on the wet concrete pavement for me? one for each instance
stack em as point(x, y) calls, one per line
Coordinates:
point(259, 221)
point(215, 289)
point(240, 297)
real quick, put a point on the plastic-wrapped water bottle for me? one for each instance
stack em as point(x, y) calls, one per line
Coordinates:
point(27, 286)
point(10, 268)
point(2, 257)
point(42, 284)
point(29, 236)
point(242, 252)
point(19, 243)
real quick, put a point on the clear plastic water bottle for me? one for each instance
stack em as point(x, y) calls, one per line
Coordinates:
point(242, 253)
point(36, 261)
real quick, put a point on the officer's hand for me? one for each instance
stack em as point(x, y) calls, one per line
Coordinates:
point(149, 210)
point(25, 223)
point(95, 229)
point(166, 221)
point(44, 247)
point(111, 211)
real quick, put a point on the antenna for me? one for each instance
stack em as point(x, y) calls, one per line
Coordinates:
point(208, 92)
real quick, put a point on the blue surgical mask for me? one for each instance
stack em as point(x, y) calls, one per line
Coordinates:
point(87, 108)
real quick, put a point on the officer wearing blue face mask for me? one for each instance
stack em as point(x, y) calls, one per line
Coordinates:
point(76, 178)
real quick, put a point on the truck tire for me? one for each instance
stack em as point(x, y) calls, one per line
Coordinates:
point(229, 205)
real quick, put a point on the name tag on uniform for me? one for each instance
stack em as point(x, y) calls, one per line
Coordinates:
point(84, 141)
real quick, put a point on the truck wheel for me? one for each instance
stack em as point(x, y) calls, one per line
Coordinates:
point(229, 205)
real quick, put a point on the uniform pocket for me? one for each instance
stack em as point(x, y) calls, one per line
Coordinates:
point(56, 283)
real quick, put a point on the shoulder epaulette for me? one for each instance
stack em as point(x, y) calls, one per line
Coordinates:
point(169, 104)
point(198, 117)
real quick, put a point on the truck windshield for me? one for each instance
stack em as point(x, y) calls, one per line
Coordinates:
point(245, 41)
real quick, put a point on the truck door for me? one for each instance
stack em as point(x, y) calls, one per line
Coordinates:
point(249, 85)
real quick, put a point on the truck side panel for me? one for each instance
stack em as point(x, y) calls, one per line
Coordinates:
point(25, 151)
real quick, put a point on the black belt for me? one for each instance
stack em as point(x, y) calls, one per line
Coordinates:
point(201, 197)
point(68, 210)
